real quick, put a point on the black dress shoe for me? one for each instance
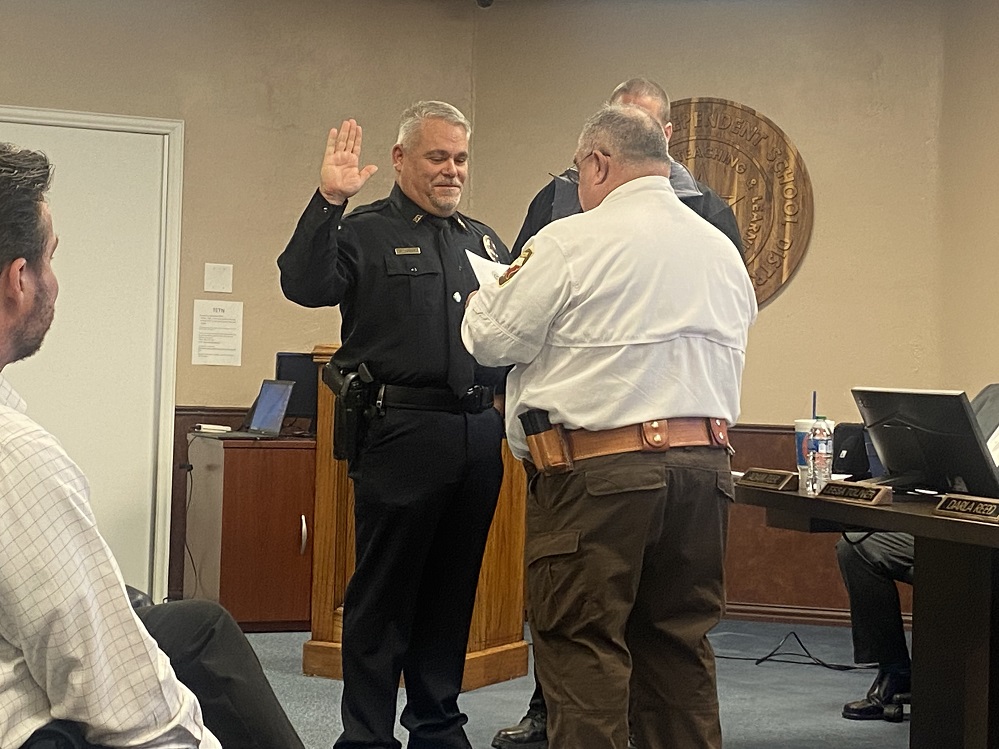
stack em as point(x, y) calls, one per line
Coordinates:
point(882, 692)
point(530, 733)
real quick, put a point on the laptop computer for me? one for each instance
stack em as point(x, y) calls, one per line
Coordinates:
point(266, 415)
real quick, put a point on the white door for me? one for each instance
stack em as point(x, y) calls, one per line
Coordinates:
point(103, 381)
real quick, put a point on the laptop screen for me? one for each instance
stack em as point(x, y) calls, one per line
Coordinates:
point(270, 406)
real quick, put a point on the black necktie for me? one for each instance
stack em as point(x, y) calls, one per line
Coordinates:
point(460, 365)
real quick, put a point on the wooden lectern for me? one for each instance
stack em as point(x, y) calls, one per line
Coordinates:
point(497, 650)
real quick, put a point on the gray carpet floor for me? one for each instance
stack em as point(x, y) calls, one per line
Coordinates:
point(786, 702)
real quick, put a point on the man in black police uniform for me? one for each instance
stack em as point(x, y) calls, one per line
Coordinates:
point(559, 198)
point(427, 466)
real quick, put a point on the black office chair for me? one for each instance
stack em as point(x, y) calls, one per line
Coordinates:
point(850, 452)
point(137, 598)
point(986, 408)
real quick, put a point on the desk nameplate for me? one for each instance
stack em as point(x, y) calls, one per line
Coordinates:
point(968, 508)
point(857, 492)
point(768, 478)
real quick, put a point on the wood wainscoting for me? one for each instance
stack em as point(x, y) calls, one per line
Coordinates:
point(780, 575)
point(771, 574)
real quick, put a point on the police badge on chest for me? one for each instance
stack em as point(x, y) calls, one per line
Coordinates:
point(490, 247)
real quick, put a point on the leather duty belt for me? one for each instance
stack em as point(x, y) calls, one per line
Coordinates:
point(657, 435)
point(476, 400)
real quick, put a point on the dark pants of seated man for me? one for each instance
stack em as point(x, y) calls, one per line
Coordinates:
point(870, 564)
point(212, 657)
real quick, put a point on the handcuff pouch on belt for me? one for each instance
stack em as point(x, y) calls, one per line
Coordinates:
point(353, 396)
point(546, 441)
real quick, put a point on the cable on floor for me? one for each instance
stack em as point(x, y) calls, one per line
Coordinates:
point(772, 656)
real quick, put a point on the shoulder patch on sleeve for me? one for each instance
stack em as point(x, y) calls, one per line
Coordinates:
point(516, 265)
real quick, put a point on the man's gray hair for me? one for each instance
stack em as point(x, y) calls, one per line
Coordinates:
point(643, 87)
point(414, 116)
point(627, 133)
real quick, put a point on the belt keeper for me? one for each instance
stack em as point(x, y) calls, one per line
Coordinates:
point(655, 434)
point(718, 429)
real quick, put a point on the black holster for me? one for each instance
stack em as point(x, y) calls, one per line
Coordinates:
point(353, 396)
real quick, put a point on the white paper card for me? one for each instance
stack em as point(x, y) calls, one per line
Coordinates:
point(486, 271)
point(218, 333)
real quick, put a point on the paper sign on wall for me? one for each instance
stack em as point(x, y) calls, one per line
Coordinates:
point(218, 333)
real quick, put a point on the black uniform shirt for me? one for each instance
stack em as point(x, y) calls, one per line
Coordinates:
point(384, 264)
point(558, 199)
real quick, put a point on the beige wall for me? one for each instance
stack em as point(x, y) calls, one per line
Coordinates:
point(847, 82)
point(864, 89)
point(969, 150)
point(258, 84)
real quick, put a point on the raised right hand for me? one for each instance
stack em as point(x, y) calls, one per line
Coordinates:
point(340, 178)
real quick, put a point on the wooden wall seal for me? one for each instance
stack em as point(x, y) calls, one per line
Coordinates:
point(749, 161)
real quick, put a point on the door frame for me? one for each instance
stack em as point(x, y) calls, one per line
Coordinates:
point(168, 301)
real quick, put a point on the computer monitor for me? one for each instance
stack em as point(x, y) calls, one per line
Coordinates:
point(928, 439)
point(303, 371)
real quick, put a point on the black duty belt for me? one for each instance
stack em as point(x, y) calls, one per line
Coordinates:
point(476, 400)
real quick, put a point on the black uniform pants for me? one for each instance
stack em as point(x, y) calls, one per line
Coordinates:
point(212, 657)
point(870, 566)
point(425, 488)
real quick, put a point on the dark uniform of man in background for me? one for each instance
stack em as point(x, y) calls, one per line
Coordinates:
point(427, 465)
point(558, 199)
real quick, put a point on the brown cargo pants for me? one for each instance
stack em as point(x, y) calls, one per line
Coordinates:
point(624, 563)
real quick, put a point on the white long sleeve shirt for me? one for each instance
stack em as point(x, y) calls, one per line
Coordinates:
point(637, 309)
point(71, 647)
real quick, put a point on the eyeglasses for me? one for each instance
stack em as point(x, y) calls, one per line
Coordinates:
point(579, 163)
point(571, 174)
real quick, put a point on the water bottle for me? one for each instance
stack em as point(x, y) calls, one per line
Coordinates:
point(820, 455)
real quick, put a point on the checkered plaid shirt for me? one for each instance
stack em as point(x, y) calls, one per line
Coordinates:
point(71, 646)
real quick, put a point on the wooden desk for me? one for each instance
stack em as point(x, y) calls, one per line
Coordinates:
point(955, 662)
point(496, 648)
point(248, 529)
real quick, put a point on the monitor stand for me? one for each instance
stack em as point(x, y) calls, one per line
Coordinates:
point(904, 486)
